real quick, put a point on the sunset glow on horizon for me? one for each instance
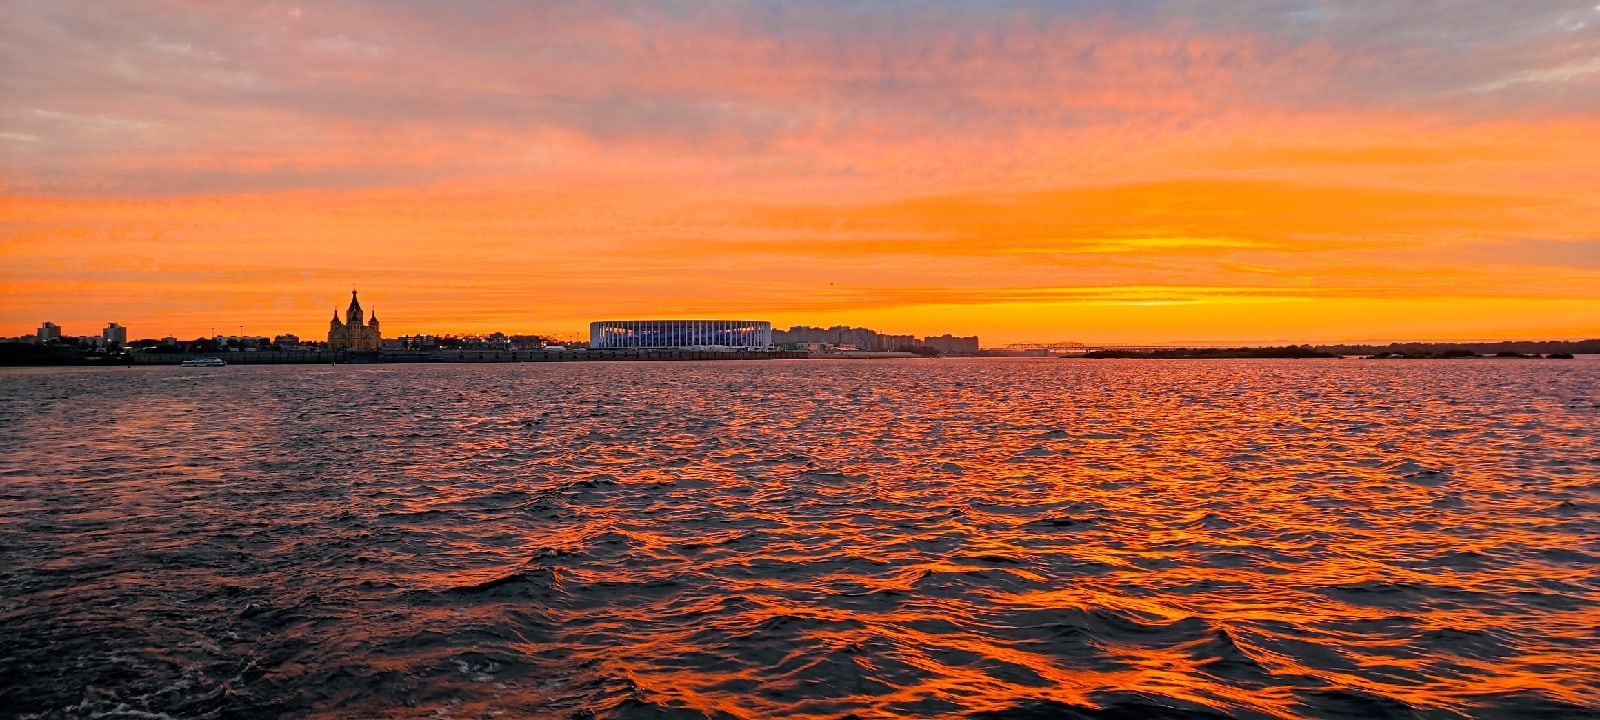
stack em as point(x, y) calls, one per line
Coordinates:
point(1150, 171)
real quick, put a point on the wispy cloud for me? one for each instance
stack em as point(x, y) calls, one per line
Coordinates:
point(335, 87)
point(1576, 70)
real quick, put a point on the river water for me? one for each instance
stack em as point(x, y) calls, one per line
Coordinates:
point(803, 539)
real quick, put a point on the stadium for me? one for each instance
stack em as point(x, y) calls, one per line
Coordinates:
point(680, 334)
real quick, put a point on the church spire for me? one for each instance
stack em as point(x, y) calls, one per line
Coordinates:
point(353, 314)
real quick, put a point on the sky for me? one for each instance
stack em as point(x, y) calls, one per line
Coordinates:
point(1118, 171)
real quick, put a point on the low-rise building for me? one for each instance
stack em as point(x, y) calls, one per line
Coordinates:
point(680, 334)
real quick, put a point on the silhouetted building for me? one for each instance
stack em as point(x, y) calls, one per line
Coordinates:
point(859, 338)
point(895, 342)
point(115, 336)
point(49, 332)
point(353, 334)
point(951, 345)
point(799, 335)
point(802, 336)
point(856, 337)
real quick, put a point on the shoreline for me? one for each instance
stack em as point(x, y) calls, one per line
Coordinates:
point(64, 357)
point(392, 357)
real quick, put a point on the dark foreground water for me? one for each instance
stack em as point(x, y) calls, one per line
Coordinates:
point(987, 539)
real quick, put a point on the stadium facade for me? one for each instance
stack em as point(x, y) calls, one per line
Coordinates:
point(680, 333)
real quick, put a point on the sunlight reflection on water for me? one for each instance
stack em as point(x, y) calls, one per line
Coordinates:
point(803, 539)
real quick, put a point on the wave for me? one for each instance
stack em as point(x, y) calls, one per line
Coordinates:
point(807, 539)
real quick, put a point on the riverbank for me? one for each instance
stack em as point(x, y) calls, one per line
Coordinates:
point(1289, 352)
point(340, 357)
point(1453, 352)
point(470, 356)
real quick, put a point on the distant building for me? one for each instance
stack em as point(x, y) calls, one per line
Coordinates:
point(287, 340)
point(353, 334)
point(680, 333)
point(419, 342)
point(49, 332)
point(895, 342)
point(951, 345)
point(115, 336)
point(241, 342)
point(799, 335)
point(840, 335)
point(859, 338)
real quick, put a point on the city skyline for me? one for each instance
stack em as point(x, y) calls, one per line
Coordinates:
point(581, 335)
point(1261, 172)
point(357, 320)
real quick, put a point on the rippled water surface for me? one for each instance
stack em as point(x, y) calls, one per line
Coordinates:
point(988, 538)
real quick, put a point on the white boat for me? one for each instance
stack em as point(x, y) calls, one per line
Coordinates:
point(204, 362)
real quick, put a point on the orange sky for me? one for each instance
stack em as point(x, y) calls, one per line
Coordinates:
point(1098, 171)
